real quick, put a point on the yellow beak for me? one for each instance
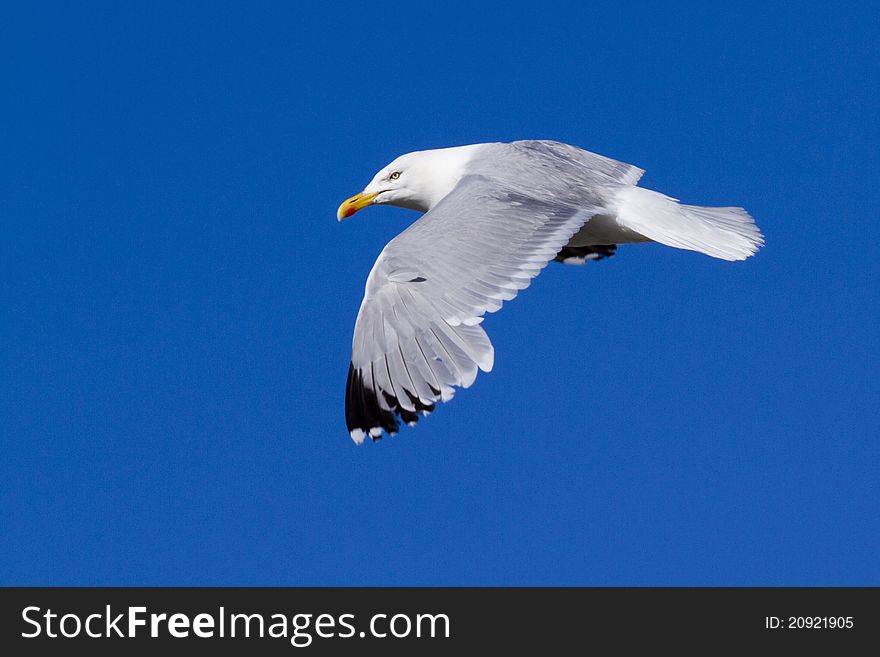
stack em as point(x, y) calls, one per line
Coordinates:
point(354, 204)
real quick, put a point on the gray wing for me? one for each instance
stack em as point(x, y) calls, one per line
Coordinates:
point(575, 170)
point(417, 334)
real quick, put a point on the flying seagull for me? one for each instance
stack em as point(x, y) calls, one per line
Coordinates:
point(495, 215)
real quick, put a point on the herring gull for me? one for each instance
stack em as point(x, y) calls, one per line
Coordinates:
point(495, 215)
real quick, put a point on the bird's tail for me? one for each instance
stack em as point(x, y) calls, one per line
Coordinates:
point(726, 233)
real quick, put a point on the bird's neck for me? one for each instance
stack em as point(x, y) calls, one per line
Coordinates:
point(443, 168)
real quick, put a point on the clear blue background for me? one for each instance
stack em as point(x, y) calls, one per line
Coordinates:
point(178, 299)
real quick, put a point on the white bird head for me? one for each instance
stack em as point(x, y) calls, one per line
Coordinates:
point(416, 180)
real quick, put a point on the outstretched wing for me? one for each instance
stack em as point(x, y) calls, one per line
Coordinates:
point(417, 334)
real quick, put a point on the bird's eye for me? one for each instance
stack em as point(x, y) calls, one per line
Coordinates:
point(394, 175)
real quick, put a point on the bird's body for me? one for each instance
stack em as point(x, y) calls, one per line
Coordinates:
point(495, 215)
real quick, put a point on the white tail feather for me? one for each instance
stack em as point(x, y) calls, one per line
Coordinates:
point(726, 233)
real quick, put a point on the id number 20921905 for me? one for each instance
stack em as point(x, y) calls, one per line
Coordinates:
point(808, 622)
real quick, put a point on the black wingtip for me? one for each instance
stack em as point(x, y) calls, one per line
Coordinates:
point(595, 252)
point(365, 416)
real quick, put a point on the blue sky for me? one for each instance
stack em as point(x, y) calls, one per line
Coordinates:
point(178, 299)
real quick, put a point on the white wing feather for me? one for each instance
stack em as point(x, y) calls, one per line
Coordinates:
point(417, 334)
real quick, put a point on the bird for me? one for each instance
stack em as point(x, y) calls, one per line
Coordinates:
point(494, 215)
